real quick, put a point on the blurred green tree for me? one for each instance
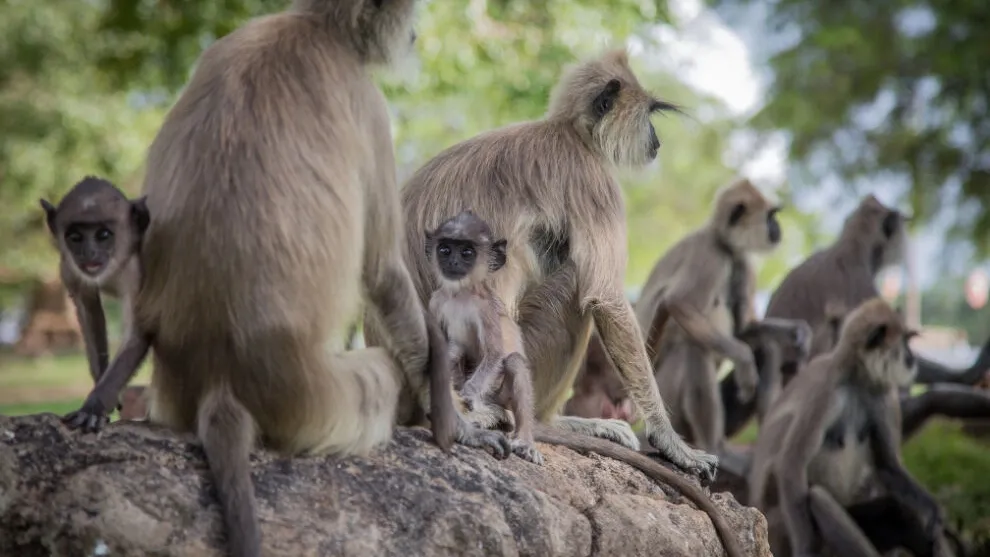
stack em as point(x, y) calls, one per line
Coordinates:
point(899, 89)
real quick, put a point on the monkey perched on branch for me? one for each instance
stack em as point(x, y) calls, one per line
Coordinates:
point(99, 233)
point(548, 186)
point(828, 437)
point(272, 183)
point(474, 320)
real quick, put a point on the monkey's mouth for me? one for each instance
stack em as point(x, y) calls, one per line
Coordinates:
point(92, 267)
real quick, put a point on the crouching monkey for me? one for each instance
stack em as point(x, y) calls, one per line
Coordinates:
point(548, 186)
point(272, 185)
point(827, 440)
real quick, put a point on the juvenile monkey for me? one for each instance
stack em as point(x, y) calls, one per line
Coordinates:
point(272, 182)
point(475, 323)
point(684, 313)
point(99, 232)
point(548, 186)
point(828, 438)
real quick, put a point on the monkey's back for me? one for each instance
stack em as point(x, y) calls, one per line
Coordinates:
point(266, 138)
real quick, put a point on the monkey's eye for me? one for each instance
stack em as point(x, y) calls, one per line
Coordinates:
point(74, 236)
point(467, 252)
point(443, 250)
point(103, 234)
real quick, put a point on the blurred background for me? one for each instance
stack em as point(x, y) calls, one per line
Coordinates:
point(818, 102)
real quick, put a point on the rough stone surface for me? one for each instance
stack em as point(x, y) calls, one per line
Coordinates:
point(138, 490)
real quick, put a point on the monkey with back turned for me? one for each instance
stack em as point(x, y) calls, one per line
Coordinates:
point(99, 233)
point(475, 322)
point(276, 213)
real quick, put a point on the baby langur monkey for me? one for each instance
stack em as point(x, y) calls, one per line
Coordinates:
point(474, 320)
point(98, 232)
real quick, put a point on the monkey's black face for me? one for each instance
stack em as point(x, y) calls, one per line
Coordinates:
point(456, 258)
point(773, 226)
point(91, 246)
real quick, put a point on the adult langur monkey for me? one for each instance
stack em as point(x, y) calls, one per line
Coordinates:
point(548, 186)
point(873, 237)
point(272, 189)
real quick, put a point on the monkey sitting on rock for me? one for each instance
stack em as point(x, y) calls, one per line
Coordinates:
point(475, 323)
point(99, 232)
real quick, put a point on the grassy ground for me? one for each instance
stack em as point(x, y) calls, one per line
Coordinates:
point(955, 467)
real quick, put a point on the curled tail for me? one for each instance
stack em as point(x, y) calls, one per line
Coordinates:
point(645, 464)
point(227, 432)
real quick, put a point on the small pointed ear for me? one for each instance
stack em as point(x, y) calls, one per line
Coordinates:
point(50, 213)
point(428, 244)
point(876, 337)
point(606, 99)
point(737, 213)
point(497, 257)
point(140, 215)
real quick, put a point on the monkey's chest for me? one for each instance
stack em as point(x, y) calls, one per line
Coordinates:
point(844, 462)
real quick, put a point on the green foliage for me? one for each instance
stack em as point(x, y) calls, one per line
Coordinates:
point(919, 67)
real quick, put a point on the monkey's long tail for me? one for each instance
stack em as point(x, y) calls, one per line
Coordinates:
point(585, 444)
point(227, 431)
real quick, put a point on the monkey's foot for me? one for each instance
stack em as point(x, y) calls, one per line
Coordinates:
point(478, 438)
point(616, 431)
point(527, 451)
point(670, 445)
point(90, 418)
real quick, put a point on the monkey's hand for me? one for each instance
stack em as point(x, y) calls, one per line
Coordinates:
point(746, 378)
point(91, 418)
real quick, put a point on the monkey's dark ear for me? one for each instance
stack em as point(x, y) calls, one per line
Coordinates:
point(140, 215)
point(50, 213)
point(428, 244)
point(606, 99)
point(737, 213)
point(890, 224)
point(877, 335)
point(498, 258)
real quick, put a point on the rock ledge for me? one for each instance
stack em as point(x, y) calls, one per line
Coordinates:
point(139, 490)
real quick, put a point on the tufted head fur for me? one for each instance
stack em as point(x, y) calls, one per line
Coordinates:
point(878, 230)
point(744, 220)
point(463, 250)
point(610, 109)
point(874, 334)
point(377, 30)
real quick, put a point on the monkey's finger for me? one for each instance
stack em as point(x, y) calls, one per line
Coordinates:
point(73, 420)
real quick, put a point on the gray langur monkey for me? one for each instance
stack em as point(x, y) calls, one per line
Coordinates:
point(548, 186)
point(684, 311)
point(475, 323)
point(99, 232)
point(828, 439)
point(873, 237)
point(273, 189)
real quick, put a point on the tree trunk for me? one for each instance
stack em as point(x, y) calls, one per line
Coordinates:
point(52, 325)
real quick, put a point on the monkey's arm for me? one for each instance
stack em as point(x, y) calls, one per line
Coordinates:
point(933, 372)
point(798, 446)
point(891, 471)
point(89, 308)
point(103, 398)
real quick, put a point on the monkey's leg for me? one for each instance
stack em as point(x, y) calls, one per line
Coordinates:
point(702, 404)
point(517, 390)
point(93, 323)
point(889, 524)
point(953, 401)
point(837, 528)
point(933, 372)
point(737, 413)
point(623, 342)
point(556, 332)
